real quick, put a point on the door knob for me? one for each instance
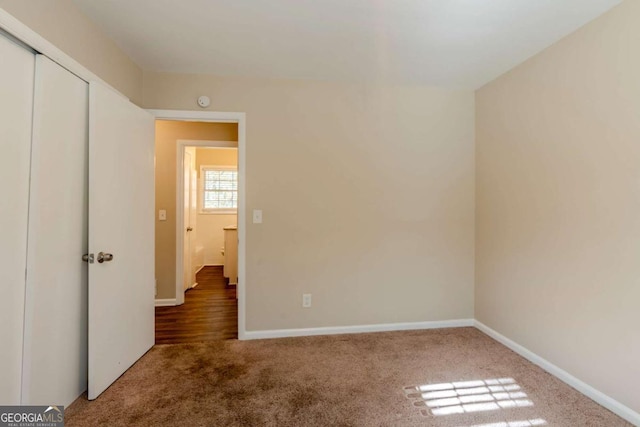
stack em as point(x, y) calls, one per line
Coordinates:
point(102, 257)
point(189, 229)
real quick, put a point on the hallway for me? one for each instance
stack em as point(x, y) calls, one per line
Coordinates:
point(209, 312)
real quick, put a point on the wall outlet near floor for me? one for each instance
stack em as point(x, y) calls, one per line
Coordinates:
point(306, 300)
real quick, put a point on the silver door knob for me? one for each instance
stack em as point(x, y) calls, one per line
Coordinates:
point(102, 257)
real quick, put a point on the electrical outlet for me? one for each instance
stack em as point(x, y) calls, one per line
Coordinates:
point(306, 300)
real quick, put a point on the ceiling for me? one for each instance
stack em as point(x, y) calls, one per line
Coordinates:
point(448, 43)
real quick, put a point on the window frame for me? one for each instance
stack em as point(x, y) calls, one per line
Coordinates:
point(201, 191)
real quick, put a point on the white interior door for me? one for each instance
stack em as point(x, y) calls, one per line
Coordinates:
point(188, 227)
point(56, 294)
point(16, 105)
point(121, 224)
point(193, 206)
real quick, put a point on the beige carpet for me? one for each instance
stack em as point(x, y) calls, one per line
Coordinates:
point(447, 377)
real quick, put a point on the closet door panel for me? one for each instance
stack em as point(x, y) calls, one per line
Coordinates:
point(16, 102)
point(55, 346)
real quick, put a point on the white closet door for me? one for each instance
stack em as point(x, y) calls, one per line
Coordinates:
point(16, 100)
point(55, 342)
point(121, 223)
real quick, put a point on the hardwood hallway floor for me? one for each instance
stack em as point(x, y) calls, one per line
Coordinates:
point(209, 312)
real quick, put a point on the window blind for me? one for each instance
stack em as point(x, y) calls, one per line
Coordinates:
point(220, 189)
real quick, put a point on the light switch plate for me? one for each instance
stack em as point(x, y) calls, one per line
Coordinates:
point(257, 216)
point(306, 300)
point(162, 215)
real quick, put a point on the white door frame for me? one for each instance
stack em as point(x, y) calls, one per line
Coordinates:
point(215, 117)
point(180, 221)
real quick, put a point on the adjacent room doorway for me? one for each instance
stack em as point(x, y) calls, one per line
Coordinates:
point(197, 290)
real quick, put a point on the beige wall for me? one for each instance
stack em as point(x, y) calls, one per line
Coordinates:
point(210, 227)
point(167, 135)
point(558, 203)
point(62, 23)
point(216, 157)
point(367, 196)
point(368, 193)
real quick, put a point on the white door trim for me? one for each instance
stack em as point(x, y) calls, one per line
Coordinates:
point(207, 143)
point(216, 117)
point(180, 222)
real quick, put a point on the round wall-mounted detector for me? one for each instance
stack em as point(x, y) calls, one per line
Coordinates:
point(204, 101)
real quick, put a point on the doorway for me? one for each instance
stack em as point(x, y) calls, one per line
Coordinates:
point(199, 268)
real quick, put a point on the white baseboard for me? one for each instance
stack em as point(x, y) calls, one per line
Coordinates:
point(584, 388)
point(165, 302)
point(334, 330)
point(208, 265)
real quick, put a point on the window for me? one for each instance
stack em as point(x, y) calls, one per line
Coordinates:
point(219, 189)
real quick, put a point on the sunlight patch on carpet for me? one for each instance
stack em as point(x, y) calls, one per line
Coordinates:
point(469, 396)
point(520, 423)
